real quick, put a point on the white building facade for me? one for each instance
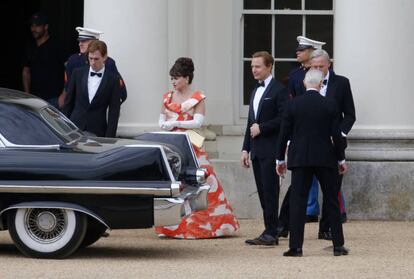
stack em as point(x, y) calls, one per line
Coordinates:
point(371, 43)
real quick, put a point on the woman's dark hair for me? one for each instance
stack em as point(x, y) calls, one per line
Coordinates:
point(183, 67)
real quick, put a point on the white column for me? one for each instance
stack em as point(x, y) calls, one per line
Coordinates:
point(374, 46)
point(137, 36)
point(211, 42)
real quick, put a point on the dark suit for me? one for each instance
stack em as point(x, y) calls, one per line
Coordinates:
point(263, 149)
point(311, 122)
point(339, 89)
point(91, 116)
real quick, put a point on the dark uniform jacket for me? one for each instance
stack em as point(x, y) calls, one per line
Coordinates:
point(295, 84)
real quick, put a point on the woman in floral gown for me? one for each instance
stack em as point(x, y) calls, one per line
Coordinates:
point(183, 109)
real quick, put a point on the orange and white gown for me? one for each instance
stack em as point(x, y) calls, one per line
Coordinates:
point(219, 219)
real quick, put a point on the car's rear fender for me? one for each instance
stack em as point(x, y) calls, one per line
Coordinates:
point(52, 204)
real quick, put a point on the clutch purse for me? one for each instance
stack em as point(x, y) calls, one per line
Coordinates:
point(196, 138)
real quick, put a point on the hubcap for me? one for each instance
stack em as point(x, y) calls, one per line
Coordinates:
point(46, 221)
point(46, 225)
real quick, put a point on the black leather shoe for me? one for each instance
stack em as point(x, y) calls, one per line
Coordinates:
point(264, 239)
point(312, 219)
point(340, 251)
point(325, 235)
point(293, 252)
point(282, 232)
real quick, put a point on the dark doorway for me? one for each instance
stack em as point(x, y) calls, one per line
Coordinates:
point(64, 16)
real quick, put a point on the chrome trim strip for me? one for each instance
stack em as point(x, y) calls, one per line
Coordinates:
point(170, 211)
point(84, 190)
point(8, 144)
point(56, 205)
point(175, 188)
point(188, 142)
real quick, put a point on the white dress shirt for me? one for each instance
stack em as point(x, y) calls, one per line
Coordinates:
point(324, 87)
point(259, 93)
point(93, 83)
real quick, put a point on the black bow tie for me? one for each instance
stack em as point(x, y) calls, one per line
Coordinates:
point(96, 74)
point(325, 81)
point(261, 83)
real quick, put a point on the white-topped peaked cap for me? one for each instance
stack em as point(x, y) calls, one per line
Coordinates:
point(88, 34)
point(305, 43)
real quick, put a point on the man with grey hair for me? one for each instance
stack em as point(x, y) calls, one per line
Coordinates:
point(337, 88)
point(296, 88)
point(311, 123)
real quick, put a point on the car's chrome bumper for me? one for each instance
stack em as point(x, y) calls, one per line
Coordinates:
point(170, 211)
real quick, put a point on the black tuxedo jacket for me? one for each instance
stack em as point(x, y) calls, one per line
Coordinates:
point(269, 115)
point(311, 122)
point(339, 89)
point(92, 117)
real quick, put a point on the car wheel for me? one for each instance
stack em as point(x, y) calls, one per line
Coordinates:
point(46, 232)
point(94, 232)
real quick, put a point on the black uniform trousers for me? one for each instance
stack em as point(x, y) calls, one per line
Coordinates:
point(301, 182)
point(267, 182)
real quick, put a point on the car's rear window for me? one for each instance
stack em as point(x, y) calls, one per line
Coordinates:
point(19, 125)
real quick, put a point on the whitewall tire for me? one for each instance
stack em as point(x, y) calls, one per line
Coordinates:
point(47, 232)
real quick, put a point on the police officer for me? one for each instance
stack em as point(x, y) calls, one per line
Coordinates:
point(86, 35)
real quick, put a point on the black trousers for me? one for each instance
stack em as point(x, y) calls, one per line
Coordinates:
point(324, 222)
point(267, 182)
point(301, 182)
point(284, 211)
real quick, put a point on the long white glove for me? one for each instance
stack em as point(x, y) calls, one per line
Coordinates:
point(165, 125)
point(191, 124)
point(188, 124)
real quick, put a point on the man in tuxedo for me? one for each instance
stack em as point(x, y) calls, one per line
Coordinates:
point(311, 123)
point(93, 93)
point(80, 59)
point(295, 86)
point(338, 88)
point(266, 105)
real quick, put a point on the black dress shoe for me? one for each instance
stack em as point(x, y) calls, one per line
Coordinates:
point(282, 232)
point(325, 235)
point(340, 251)
point(293, 252)
point(264, 239)
point(312, 219)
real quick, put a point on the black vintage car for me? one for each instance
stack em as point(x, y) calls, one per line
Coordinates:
point(61, 189)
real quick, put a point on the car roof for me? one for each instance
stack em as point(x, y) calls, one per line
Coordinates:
point(12, 96)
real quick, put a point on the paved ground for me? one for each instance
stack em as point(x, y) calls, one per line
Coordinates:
point(378, 250)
